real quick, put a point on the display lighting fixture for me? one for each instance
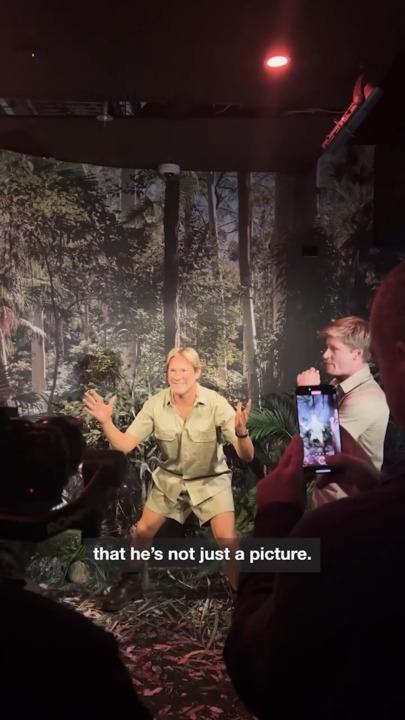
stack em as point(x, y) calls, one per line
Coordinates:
point(275, 61)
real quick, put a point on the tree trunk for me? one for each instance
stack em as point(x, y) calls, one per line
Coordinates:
point(5, 389)
point(127, 193)
point(86, 327)
point(38, 376)
point(171, 269)
point(277, 300)
point(135, 360)
point(62, 338)
point(56, 317)
point(283, 228)
point(217, 271)
point(249, 328)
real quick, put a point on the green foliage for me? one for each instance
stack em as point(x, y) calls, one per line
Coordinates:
point(29, 402)
point(75, 551)
point(271, 430)
point(275, 421)
point(245, 511)
point(99, 368)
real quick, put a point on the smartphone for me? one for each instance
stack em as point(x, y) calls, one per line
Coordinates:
point(318, 424)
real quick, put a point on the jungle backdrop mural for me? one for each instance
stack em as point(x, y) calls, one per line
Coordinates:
point(103, 270)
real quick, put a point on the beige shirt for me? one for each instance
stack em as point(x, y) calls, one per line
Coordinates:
point(191, 450)
point(364, 413)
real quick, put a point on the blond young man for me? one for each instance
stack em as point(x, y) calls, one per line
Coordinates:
point(363, 409)
point(340, 631)
point(187, 421)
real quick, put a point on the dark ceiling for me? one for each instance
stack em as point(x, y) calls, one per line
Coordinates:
point(185, 82)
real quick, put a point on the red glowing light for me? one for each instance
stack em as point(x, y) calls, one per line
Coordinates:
point(31, 490)
point(277, 61)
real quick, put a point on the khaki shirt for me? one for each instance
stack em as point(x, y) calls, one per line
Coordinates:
point(364, 413)
point(191, 450)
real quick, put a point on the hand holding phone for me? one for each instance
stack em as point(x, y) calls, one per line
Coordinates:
point(318, 422)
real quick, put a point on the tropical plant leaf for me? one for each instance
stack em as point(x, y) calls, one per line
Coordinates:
point(30, 401)
point(277, 421)
point(36, 331)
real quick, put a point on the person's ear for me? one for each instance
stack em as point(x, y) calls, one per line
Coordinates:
point(198, 374)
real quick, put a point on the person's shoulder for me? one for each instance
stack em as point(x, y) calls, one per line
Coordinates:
point(375, 393)
point(369, 391)
point(223, 404)
point(158, 398)
point(372, 383)
point(210, 396)
point(161, 394)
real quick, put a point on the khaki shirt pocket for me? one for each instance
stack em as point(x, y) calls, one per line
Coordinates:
point(168, 444)
point(201, 453)
point(203, 436)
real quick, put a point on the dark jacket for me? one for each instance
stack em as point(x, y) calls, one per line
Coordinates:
point(330, 644)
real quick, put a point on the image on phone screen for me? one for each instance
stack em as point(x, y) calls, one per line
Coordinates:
point(318, 421)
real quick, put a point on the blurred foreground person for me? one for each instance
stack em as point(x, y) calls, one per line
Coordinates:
point(54, 662)
point(332, 644)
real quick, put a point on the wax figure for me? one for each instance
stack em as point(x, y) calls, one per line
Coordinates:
point(189, 422)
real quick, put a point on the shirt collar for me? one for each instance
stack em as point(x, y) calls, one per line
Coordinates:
point(354, 380)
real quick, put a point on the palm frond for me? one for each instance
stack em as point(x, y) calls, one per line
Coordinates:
point(275, 421)
point(29, 401)
point(36, 331)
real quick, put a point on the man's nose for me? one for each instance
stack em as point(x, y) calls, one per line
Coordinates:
point(326, 354)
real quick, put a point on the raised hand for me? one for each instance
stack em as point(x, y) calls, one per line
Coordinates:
point(95, 406)
point(241, 417)
point(351, 474)
point(309, 377)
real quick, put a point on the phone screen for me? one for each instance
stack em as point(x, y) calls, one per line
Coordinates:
point(318, 421)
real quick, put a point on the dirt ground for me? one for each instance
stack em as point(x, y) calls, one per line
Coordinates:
point(171, 640)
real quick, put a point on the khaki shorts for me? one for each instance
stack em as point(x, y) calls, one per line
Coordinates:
point(181, 508)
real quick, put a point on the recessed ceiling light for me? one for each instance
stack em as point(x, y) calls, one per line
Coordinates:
point(277, 61)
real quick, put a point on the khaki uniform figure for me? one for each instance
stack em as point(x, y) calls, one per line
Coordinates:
point(189, 423)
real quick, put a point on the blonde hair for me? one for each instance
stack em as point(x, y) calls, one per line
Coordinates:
point(351, 331)
point(188, 352)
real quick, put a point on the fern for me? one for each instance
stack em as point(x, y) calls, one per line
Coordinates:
point(278, 421)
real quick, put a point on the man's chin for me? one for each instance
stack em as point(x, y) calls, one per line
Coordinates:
point(179, 390)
